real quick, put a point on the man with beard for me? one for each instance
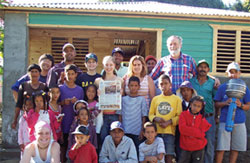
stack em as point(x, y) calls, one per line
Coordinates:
point(177, 65)
point(204, 86)
point(56, 74)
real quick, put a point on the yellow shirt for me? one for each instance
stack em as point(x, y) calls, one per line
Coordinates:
point(166, 107)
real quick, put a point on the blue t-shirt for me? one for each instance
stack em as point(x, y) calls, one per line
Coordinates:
point(221, 96)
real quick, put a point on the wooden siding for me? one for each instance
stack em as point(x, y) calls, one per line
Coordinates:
point(197, 35)
point(100, 42)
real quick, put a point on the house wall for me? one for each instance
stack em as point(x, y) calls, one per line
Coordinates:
point(15, 63)
point(197, 41)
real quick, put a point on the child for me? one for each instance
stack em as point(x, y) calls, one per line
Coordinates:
point(193, 125)
point(23, 132)
point(83, 120)
point(54, 93)
point(164, 111)
point(70, 93)
point(85, 79)
point(185, 92)
point(236, 140)
point(82, 150)
point(134, 112)
point(95, 114)
point(40, 113)
point(152, 149)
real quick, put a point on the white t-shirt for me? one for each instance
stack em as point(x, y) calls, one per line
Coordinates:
point(153, 149)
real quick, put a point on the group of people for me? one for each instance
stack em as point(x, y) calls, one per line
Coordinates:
point(169, 110)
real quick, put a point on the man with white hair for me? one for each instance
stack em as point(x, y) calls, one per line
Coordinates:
point(177, 65)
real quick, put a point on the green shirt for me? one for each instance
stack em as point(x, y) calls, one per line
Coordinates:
point(207, 91)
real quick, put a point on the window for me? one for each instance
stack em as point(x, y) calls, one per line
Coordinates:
point(81, 45)
point(231, 43)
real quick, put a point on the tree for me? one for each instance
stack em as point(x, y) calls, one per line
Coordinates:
point(246, 5)
point(197, 3)
point(241, 6)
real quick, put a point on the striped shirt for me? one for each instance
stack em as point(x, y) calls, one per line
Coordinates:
point(143, 91)
point(179, 70)
point(133, 109)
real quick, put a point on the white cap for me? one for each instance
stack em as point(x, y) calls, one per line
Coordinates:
point(234, 66)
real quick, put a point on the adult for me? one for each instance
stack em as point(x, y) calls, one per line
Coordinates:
point(151, 62)
point(43, 149)
point(118, 55)
point(27, 88)
point(56, 74)
point(137, 67)
point(109, 74)
point(46, 61)
point(178, 66)
point(204, 86)
point(117, 147)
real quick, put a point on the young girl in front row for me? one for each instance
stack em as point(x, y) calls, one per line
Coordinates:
point(23, 132)
point(192, 126)
point(40, 113)
point(83, 119)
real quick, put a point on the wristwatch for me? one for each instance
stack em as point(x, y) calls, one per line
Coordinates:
point(242, 105)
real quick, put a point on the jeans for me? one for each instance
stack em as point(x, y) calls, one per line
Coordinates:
point(210, 136)
point(107, 120)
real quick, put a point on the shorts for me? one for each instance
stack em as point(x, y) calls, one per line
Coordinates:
point(235, 140)
point(169, 142)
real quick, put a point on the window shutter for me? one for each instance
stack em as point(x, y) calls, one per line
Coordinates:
point(245, 52)
point(56, 48)
point(226, 46)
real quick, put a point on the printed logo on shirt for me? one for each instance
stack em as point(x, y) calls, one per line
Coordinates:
point(164, 108)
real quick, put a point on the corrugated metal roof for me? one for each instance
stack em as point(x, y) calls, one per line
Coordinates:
point(135, 7)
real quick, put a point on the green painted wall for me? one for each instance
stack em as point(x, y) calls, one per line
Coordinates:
point(197, 35)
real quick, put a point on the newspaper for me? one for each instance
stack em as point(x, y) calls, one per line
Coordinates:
point(110, 95)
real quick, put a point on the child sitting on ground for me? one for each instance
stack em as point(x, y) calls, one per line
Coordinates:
point(193, 125)
point(152, 149)
point(82, 150)
point(23, 132)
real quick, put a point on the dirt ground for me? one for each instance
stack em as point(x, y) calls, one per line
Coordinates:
point(12, 155)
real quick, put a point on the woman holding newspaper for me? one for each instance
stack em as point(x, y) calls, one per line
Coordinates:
point(109, 75)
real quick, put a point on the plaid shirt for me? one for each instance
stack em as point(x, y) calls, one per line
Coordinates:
point(179, 70)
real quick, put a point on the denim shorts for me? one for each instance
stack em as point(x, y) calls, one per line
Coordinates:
point(169, 142)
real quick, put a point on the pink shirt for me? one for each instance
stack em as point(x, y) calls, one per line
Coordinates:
point(23, 131)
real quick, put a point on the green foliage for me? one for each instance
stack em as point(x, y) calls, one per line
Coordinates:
point(246, 5)
point(197, 3)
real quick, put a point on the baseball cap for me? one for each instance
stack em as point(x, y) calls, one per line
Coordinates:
point(68, 45)
point(149, 58)
point(119, 50)
point(234, 66)
point(81, 130)
point(116, 124)
point(202, 61)
point(79, 101)
point(91, 56)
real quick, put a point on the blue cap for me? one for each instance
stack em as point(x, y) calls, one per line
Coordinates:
point(117, 50)
point(116, 124)
point(91, 56)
